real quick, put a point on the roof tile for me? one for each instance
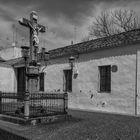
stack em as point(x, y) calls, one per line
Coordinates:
point(116, 40)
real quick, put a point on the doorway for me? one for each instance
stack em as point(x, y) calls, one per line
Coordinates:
point(20, 80)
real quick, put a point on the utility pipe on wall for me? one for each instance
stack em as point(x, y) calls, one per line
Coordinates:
point(136, 77)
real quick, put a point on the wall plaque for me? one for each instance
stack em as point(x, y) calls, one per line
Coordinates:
point(114, 68)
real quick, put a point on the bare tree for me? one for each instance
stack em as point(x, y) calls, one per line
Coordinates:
point(113, 22)
point(127, 20)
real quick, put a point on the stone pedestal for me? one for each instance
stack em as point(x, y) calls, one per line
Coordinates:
point(33, 77)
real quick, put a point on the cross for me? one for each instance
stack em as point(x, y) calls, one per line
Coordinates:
point(35, 28)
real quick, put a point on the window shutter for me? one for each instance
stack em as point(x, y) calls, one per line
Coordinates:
point(105, 78)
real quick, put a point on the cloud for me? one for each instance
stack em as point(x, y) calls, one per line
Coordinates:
point(73, 10)
point(61, 17)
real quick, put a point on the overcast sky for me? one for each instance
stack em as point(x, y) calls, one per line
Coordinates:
point(66, 20)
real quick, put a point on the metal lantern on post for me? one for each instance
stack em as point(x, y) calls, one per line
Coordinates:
point(71, 61)
point(44, 56)
point(36, 51)
point(25, 52)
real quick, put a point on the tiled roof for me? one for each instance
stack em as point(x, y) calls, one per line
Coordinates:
point(125, 38)
point(15, 61)
point(4, 65)
point(122, 39)
point(18, 61)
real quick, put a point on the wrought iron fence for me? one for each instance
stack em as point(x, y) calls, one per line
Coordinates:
point(40, 104)
point(12, 103)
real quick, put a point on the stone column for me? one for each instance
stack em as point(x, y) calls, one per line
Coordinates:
point(33, 74)
point(26, 105)
point(65, 102)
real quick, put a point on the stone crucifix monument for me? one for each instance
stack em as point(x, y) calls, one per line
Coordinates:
point(32, 71)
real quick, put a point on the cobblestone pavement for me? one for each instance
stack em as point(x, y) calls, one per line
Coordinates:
point(89, 126)
point(85, 126)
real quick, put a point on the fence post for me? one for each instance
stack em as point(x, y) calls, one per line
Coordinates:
point(0, 102)
point(26, 105)
point(65, 102)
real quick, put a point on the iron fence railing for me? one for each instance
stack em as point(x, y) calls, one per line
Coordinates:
point(47, 104)
point(11, 103)
point(40, 104)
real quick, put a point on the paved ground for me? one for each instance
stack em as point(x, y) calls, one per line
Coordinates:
point(88, 126)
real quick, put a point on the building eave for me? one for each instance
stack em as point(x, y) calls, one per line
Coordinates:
point(117, 40)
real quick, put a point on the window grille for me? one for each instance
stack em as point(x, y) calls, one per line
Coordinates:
point(68, 80)
point(105, 78)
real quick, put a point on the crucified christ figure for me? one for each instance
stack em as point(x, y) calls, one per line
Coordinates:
point(35, 31)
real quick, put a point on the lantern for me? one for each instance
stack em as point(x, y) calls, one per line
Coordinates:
point(71, 61)
point(25, 51)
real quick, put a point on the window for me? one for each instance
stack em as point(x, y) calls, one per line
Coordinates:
point(41, 83)
point(68, 80)
point(105, 78)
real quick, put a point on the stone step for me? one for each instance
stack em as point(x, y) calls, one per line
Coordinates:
point(34, 121)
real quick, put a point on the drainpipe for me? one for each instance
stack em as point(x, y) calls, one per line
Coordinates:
point(136, 94)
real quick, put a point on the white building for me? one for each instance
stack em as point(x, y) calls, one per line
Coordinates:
point(106, 75)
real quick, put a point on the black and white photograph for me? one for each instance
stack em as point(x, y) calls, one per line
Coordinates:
point(69, 69)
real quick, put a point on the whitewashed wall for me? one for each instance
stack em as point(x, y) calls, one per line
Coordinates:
point(10, 53)
point(122, 96)
point(7, 79)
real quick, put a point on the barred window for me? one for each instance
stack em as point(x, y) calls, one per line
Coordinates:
point(68, 80)
point(105, 78)
point(41, 83)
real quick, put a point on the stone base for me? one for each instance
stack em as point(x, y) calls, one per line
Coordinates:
point(34, 121)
